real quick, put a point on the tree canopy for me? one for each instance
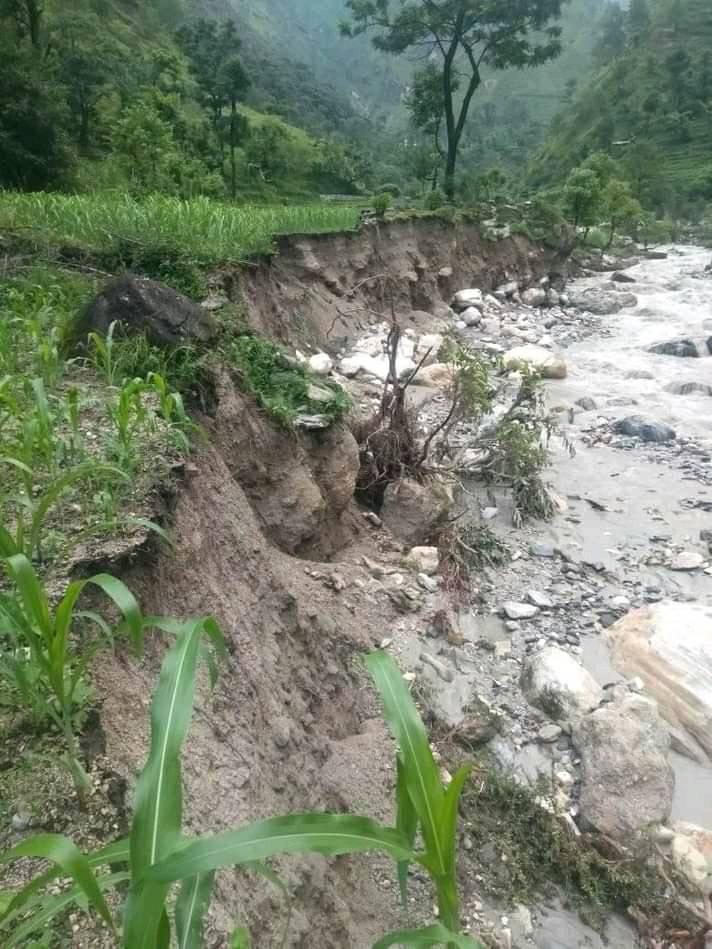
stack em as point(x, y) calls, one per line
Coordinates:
point(461, 36)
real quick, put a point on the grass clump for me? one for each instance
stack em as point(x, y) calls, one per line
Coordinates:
point(282, 386)
point(523, 848)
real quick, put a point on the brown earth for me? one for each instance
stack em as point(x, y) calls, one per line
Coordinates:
point(292, 724)
point(320, 289)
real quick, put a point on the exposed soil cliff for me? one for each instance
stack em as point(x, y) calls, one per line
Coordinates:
point(320, 289)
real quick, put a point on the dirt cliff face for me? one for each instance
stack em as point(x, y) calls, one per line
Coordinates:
point(323, 289)
point(289, 727)
point(292, 724)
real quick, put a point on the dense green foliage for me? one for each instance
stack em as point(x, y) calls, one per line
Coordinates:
point(649, 106)
point(107, 94)
point(460, 37)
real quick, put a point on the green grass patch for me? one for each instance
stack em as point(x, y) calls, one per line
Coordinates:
point(167, 229)
point(282, 386)
point(83, 444)
point(522, 848)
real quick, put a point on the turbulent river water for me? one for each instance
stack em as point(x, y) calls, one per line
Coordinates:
point(645, 496)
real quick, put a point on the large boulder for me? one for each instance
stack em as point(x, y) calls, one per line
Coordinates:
point(467, 298)
point(412, 510)
point(145, 307)
point(602, 302)
point(428, 348)
point(555, 682)
point(688, 388)
point(440, 375)
point(627, 782)
point(647, 430)
point(537, 358)
point(682, 348)
point(535, 296)
point(619, 277)
point(669, 646)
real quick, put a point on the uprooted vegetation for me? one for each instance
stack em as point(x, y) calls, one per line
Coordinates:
point(525, 848)
point(510, 448)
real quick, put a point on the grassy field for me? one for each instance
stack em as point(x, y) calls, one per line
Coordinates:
point(208, 230)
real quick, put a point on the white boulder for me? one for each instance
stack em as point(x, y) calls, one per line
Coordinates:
point(431, 342)
point(321, 364)
point(471, 316)
point(535, 296)
point(467, 298)
point(669, 646)
point(438, 376)
point(555, 682)
point(424, 560)
point(547, 364)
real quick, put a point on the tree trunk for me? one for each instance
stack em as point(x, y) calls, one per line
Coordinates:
point(34, 21)
point(233, 145)
point(450, 166)
point(84, 116)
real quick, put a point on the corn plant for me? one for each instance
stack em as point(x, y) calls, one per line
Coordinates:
point(157, 855)
point(37, 498)
point(128, 414)
point(43, 659)
point(101, 352)
point(172, 410)
point(424, 805)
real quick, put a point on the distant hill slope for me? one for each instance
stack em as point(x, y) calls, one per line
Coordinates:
point(651, 107)
point(307, 72)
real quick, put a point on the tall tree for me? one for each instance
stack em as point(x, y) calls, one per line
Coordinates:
point(34, 150)
point(234, 83)
point(465, 36)
point(28, 16)
point(209, 45)
point(638, 20)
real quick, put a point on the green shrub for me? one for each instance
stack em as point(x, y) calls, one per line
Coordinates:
point(382, 203)
point(434, 200)
point(42, 661)
point(282, 386)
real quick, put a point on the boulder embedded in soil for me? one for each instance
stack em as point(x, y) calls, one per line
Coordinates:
point(535, 296)
point(145, 307)
point(627, 782)
point(648, 431)
point(412, 511)
point(691, 851)
point(439, 375)
point(682, 348)
point(669, 646)
point(468, 298)
point(546, 363)
point(424, 560)
point(555, 682)
point(602, 302)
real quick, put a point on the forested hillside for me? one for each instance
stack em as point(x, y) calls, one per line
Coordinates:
point(112, 94)
point(650, 105)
